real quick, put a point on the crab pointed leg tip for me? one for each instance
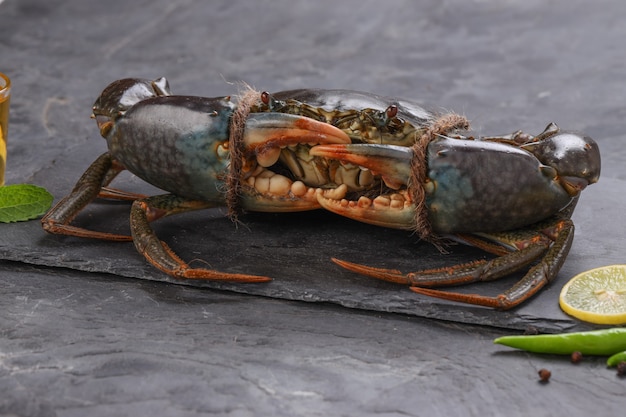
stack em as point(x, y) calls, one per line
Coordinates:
point(351, 266)
point(241, 278)
point(211, 275)
point(346, 265)
point(390, 275)
point(472, 299)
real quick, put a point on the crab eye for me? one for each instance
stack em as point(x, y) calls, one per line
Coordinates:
point(392, 111)
point(265, 97)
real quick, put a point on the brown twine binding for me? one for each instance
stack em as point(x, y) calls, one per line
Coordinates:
point(419, 167)
point(245, 102)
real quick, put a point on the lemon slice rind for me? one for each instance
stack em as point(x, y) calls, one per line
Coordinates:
point(597, 296)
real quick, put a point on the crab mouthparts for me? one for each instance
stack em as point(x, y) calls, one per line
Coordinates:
point(294, 163)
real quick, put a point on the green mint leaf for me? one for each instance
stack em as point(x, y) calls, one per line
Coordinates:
point(20, 202)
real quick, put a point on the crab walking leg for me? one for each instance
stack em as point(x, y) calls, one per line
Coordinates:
point(158, 253)
point(535, 279)
point(551, 245)
point(480, 270)
point(515, 250)
point(99, 174)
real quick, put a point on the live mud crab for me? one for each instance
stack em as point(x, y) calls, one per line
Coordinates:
point(373, 159)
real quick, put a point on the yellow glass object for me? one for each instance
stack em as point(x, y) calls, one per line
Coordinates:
point(5, 95)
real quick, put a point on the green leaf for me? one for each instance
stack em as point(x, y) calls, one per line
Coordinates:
point(20, 202)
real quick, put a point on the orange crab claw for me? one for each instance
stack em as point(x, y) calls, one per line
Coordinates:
point(266, 133)
point(393, 209)
point(392, 162)
point(266, 137)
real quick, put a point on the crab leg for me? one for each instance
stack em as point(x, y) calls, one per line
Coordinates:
point(99, 174)
point(515, 250)
point(535, 279)
point(561, 235)
point(158, 252)
point(480, 270)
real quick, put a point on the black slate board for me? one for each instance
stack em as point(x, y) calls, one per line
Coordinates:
point(295, 249)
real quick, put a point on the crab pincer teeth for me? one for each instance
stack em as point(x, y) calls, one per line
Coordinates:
point(266, 133)
point(394, 212)
point(392, 163)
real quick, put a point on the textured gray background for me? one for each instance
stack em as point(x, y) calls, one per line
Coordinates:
point(76, 343)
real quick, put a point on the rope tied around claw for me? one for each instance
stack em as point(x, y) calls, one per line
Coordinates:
point(245, 102)
point(441, 125)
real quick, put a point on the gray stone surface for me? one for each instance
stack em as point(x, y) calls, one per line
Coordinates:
point(99, 343)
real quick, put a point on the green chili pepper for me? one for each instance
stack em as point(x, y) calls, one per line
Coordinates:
point(596, 342)
point(616, 359)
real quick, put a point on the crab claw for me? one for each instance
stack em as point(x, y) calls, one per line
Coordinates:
point(393, 163)
point(266, 136)
point(574, 157)
point(267, 133)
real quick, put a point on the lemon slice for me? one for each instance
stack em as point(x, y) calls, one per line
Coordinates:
point(597, 296)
